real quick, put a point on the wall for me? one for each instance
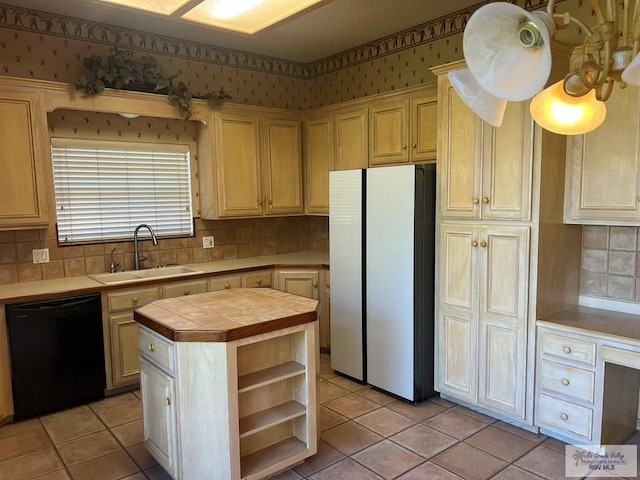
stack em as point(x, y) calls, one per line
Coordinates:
point(611, 262)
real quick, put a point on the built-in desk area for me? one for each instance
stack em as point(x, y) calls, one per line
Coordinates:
point(588, 376)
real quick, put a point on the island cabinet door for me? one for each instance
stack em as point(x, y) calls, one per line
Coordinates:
point(503, 318)
point(159, 415)
point(124, 349)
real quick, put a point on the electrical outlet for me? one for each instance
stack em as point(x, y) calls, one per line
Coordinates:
point(40, 255)
point(207, 242)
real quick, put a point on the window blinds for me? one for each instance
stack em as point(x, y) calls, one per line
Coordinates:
point(105, 189)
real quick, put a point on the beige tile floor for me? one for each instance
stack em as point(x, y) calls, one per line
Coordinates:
point(365, 434)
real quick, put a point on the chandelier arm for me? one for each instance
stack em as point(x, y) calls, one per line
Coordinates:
point(598, 10)
point(587, 30)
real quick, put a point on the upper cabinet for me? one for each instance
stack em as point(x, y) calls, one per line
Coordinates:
point(319, 159)
point(352, 149)
point(23, 155)
point(403, 128)
point(250, 164)
point(482, 170)
point(603, 168)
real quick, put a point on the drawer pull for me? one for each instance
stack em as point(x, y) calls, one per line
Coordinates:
point(167, 401)
point(566, 349)
point(227, 286)
point(135, 300)
point(258, 281)
point(151, 347)
point(564, 416)
point(565, 382)
point(475, 200)
point(187, 292)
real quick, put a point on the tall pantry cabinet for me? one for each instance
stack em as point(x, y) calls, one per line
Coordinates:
point(504, 257)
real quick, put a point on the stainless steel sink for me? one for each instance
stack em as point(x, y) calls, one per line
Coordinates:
point(141, 275)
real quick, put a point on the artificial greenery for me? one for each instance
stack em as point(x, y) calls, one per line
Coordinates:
point(121, 70)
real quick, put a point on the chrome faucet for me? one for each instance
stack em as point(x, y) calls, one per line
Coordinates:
point(136, 258)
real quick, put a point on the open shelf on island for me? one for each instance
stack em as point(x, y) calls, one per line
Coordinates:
point(272, 416)
point(271, 455)
point(273, 374)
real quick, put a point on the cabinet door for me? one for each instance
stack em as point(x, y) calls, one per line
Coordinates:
point(299, 282)
point(424, 128)
point(159, 415)
point(23, 150)
point(504, 273)
point(238, 175)
point(124, 349)
point(457, 315)
point(388, 133)
point(352, 150)
point(603, 170)
point(282, 174)
point(506, 165)
point(460, 155)
point(319, 149)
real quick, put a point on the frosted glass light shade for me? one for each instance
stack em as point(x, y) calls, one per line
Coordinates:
point(631, 74)
point(500, 64)
point(486, 106)
point(558, 112)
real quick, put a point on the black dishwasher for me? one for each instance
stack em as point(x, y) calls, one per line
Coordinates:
point(57, 354)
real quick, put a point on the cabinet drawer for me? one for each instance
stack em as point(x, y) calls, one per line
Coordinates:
point(185, 288)
point(132, 299)
point(566, 417)
point(223, 283)
point(156, 348)
point(569, 348)
point(258, 279)
point(571, 381)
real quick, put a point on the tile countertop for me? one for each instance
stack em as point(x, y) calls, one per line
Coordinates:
point(28, 291)
point(226, 315)
point(606, 324)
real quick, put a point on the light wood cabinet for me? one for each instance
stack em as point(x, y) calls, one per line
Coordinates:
point(482, 314)
point(23, 155)
point(424, 126)
point(319, 160)
point(352, 134)
point(485, 172)
point(504, 256)
point(6, 392)
point(262, 388)
point(184, 288)
point(603, 166)
point(225, 282)
point(250, 164)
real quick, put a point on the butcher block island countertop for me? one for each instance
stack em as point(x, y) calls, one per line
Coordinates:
point(228, 382)
point(226, 315)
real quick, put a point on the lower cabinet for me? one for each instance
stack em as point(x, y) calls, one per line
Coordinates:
point(6, 394)
point(230, 410)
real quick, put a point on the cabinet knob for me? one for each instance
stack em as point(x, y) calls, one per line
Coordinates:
point(135, 300)
point(315, 284)
point(260, 202)
point(258, 281)
point(483, 244)
point(151, 347)
point(475, 200)
point(566, 349)
point(565, 382)
point(415, 145)
point(564, 416)
point(485, 200)
point(227, 285)
point(404, 147)
point(269, 202)
point(167, 401)
point(474, 243)
point(187, 292)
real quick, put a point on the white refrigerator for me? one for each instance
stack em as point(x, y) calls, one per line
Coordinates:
point(382, 246)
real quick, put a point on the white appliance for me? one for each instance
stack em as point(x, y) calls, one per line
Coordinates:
point(382, 244)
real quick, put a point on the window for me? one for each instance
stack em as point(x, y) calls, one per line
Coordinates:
point(105, 189)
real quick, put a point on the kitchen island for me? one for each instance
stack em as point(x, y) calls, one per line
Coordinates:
point(228, 382)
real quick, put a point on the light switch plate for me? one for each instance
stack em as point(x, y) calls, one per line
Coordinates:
point(207, 242)
point(41, 255)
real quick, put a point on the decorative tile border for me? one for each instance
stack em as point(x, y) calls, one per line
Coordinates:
point(68, 27)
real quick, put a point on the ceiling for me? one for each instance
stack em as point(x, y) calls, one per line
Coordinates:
point(329, 27)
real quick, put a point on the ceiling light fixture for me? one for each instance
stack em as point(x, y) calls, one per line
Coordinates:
point(225, 9)
point(508, 53)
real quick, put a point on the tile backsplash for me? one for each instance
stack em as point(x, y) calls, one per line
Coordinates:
point(611, 262)
point(238, 238)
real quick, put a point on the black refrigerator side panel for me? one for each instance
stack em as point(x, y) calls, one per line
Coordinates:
point(424, 271)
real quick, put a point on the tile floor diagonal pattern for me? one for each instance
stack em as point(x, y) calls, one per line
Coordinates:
point(365, 434)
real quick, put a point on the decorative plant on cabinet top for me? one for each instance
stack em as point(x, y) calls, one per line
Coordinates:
point(122, 71)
